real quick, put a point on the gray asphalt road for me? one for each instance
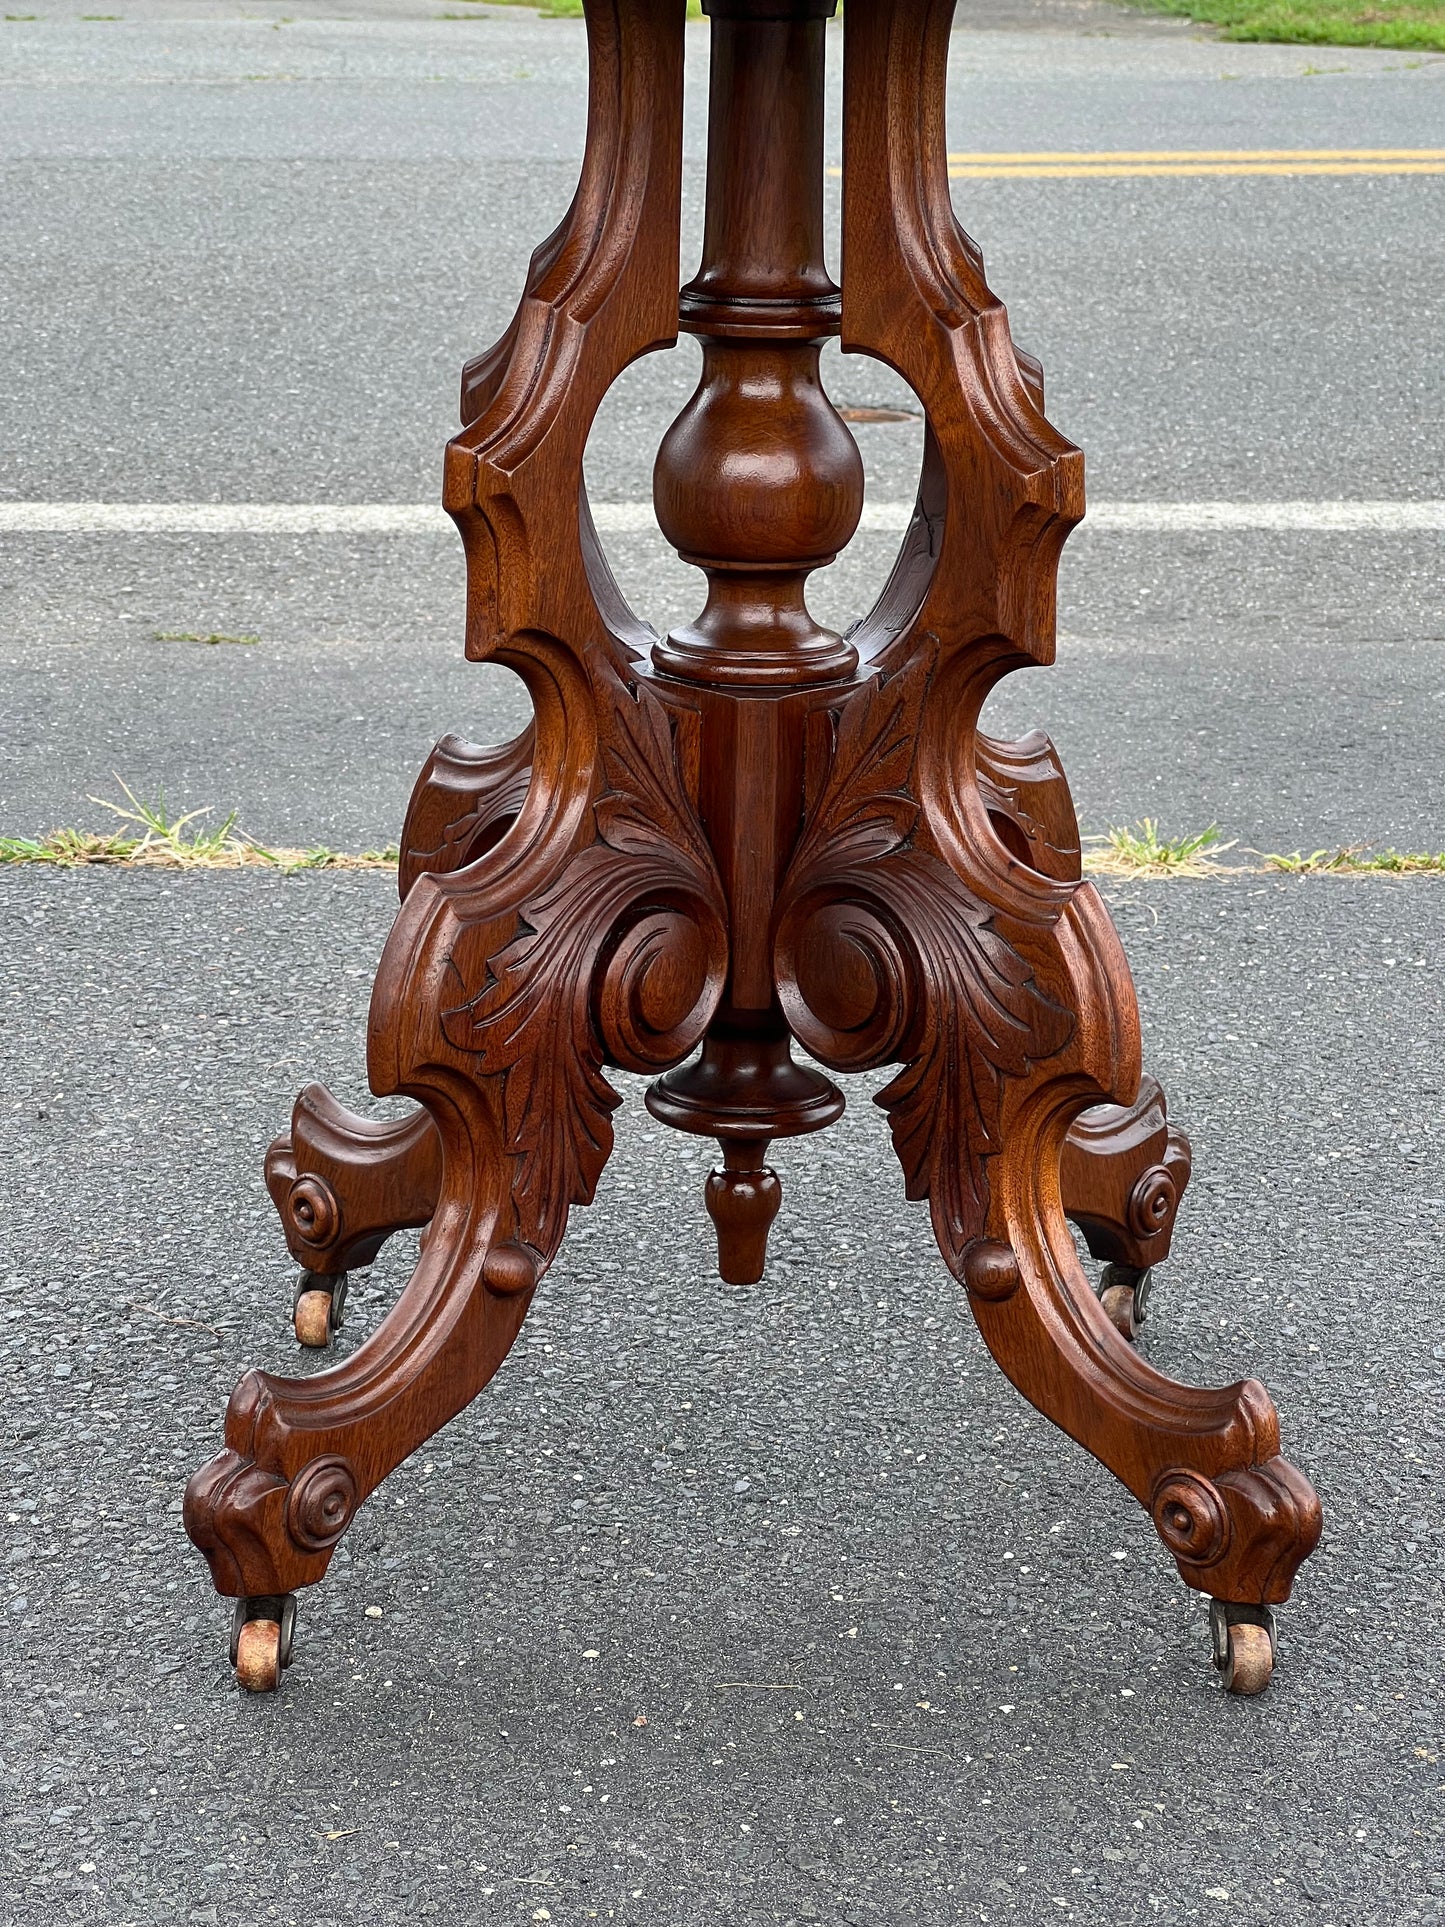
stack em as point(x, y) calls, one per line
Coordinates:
point(673, 1486)
point(242, 259)
point(245, 259)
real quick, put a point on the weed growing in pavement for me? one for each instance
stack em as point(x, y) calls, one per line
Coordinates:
point(1330, 23)
point(156, 839)
point(1145, 853)
point(152, 837)
point(1359, 861)
point(211, 641)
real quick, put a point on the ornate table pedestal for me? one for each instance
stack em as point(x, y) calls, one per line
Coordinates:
point(749, 832)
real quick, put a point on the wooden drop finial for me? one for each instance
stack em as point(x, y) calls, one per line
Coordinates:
point(742, 1201)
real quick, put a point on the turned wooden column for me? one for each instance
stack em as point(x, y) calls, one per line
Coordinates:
point(757, 483)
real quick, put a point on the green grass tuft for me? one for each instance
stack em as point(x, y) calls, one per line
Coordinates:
point(1358, 861)
point(1145, 853)
point(155, 839)
point(211, 641)
point(1406, 24)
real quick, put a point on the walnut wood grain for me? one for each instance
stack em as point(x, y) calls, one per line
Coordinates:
point(754, 832)
point(343, 1184)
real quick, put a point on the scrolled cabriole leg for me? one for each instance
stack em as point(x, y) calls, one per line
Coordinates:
point(562, 910)
point(934, 919)
point(616, 954)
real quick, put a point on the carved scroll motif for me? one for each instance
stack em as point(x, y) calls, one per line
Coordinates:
point(646, 899)
point(885, 952)
point(465, 800)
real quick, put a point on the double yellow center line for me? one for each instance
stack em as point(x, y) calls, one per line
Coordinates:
point(1143, 162)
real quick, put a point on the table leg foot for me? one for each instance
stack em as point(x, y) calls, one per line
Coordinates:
point(1123, 1175)
point(343, 1184)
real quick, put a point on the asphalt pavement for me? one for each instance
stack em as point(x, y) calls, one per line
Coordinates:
point(718, 1606)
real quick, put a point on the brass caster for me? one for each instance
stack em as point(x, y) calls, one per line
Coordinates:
point(261, 1634)
point(318, 1308)
point(1243, 1638)
point(1124, 1294)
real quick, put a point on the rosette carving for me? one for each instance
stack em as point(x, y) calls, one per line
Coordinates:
point(1153, 1202)
point(324, 1496)
point(883, 952)
point(313, 1212)
point(1190, 1517)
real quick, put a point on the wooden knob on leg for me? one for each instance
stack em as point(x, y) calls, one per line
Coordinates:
point(742, 1201)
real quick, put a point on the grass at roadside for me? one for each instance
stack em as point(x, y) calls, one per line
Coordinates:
point(1409, 25)
point(1143, 852)
point(148, 836)
point(1360, 862)
point(151, 838)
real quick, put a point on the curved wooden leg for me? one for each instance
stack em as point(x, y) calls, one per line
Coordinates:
point(1238, 1519)
point(1123, 1174)
point(343, 1184)
point(1006, 999)
point(589, 929)
point(498, 1003)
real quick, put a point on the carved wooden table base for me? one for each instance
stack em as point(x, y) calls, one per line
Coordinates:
point(749, 832)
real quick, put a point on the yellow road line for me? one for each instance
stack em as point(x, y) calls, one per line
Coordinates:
point(1146, 162)
point(1154, 170)
point(1087, 157)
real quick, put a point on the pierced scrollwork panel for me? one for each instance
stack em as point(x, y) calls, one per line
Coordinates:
point(465, 799)
point(884, 953)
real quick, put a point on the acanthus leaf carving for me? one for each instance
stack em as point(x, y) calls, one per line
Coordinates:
point(950, 994)
point(984, 1019)
point(536, 1018)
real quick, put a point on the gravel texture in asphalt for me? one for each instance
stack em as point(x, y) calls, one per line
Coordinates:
point(902, 1652)
point(718, 1606)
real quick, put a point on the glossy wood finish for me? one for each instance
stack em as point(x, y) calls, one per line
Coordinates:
point(758, 481)
point(344, 1184)
point(753, 831)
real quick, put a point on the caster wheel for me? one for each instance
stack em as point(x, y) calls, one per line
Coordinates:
point(1243, 1646)
point(258, 1656)
point(318, 1308)
point(261, 1634)
point(1124, 1294)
